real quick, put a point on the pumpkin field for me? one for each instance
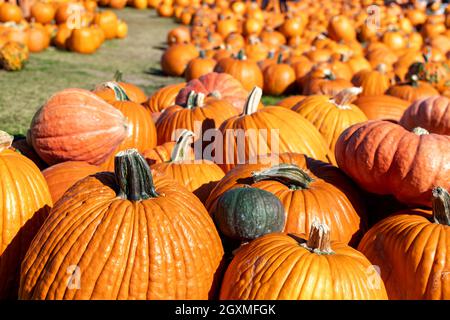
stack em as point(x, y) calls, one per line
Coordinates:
point(224, 150)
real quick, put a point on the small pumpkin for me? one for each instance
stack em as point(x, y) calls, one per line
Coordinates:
point(412, 90)
point(200, 66)
point(373, 82)
point(176, 58)
point(109, 91)
point(279, 78)
point(163, 98)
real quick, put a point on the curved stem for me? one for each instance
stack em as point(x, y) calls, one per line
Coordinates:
point(180, 151)
point(134, 177)
point(329, 75)
point(118, 76)
point(119, 92)
point(6, 140)
point(252, 103)
point(288, 174)
point(419, 131)
point(319, 240)
point(345, 96)
point(441, 206)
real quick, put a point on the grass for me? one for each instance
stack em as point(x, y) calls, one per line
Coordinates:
point(137, 56)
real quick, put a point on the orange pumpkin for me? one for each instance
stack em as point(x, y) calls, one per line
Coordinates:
point(108, 90)
point(42, 12)
point(176, 58)
point(373, 82)
point(163, 98)
point(279, 78)
point(10, 12)
point(38, 39)
point(200, 66)
point(382, 107)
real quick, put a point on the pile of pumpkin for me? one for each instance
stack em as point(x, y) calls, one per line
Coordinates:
point(130, 206)
point(316, 46)
point(74, 26)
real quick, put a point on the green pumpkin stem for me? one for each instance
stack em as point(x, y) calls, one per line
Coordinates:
point(280, 58)
point(345, 96)
point(329, 75)
point(195, 100)
point(414, 81)
point(319, 240)
point(288, 174)
point(441, 206)
point(419, 131)
point(241, 55)
point(252, 103)
point(202, 54)
point(119, 92)
point(180, 150)
point(134, 177)
point(118, 76)
point(6, 140)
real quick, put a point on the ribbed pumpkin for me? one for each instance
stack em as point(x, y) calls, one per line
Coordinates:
point(290, 101)
point(412, 90)
point(163, 98)
point(248, 213)
point(76, 125)
point(199, 66)
point(198, 176)
point(198, 114)
point(373, 82)
point(108, 90)
point(244, 70)
point(298, 267)
point(324, 82)
point(24, 204)
point(163, 152)
point(331, 115)
point(60, 177)
point(307, 188)
point(141, 133)
point(217, 85)
point(382, 107)
point(279, 78)
point(175, 59)
point(432, 114)
point(412, 251)
point(384, 158)
point(132, 236)
point(282, 131)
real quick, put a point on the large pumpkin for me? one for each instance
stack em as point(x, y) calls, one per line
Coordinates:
point(432, 114)
point(198, 176)
point(281, 266)
point(217, 85)
point(149, 232)
point(268, 130)
point(331, 115)
point(307, 188)
point(197, 115)
point(382, 107)
point(76, 125)
point(412, 251)
point(60, 177)
point(24, 204)
point(384, 158)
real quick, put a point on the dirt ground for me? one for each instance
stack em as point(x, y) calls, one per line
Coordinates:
point(137, 57)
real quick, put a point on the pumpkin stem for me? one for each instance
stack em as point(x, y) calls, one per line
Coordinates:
point(202, 54)
point(420, 131)
point(6, 140)
point(134, 177)
point(241, 55)
point(288, 174)
point(329, 75)
point(345, 96)
point(118, 76)
point(271, 54)
point(441, 206)
point(180, 150)
point(414, 80)
point(319, 240)
point(381, 68)
point(252, 103)
point(119, 92)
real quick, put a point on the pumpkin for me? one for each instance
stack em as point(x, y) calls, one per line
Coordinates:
point(163, 153)
point(60, 177)
point(421, 242)
point(109, 91)
point(324, 82)
point(331, 115)
point(42, 12)
point(279, 78)
point(107, 21)
point(125, 218)
point(82, 40)
point(290, 101)
point(412, 90)
point(436, 73)
point(373, 82)
point(246, 71)
point(198, 176)
point(247, 213)
point(76, 125)
point(122, 29)
point(62, 35)
point(432, 114)
point(382, 107)
point(13, 56)
point(199, 114)
point(305, 187)
point(162, 99)
point(200, 66)
point(175, 59)
point(141, 133)
point(341, 28)
point(289, 132)
point(281, 260)
point(24, 205)
point(216, 85)
point(384, 158)
point(10, 12)
point(179, 34)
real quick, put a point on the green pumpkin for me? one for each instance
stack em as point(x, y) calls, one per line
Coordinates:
point(248, 213)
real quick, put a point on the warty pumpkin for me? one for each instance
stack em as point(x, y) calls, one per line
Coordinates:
point(432, 114)
point(307, 188)
point(301, 267)
point(24, 205)
point(142, 228)
point(331, 115)
point(60, 177)
point(76, 125)
point(384, 158)
point(411, 251)
point(382, 107)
